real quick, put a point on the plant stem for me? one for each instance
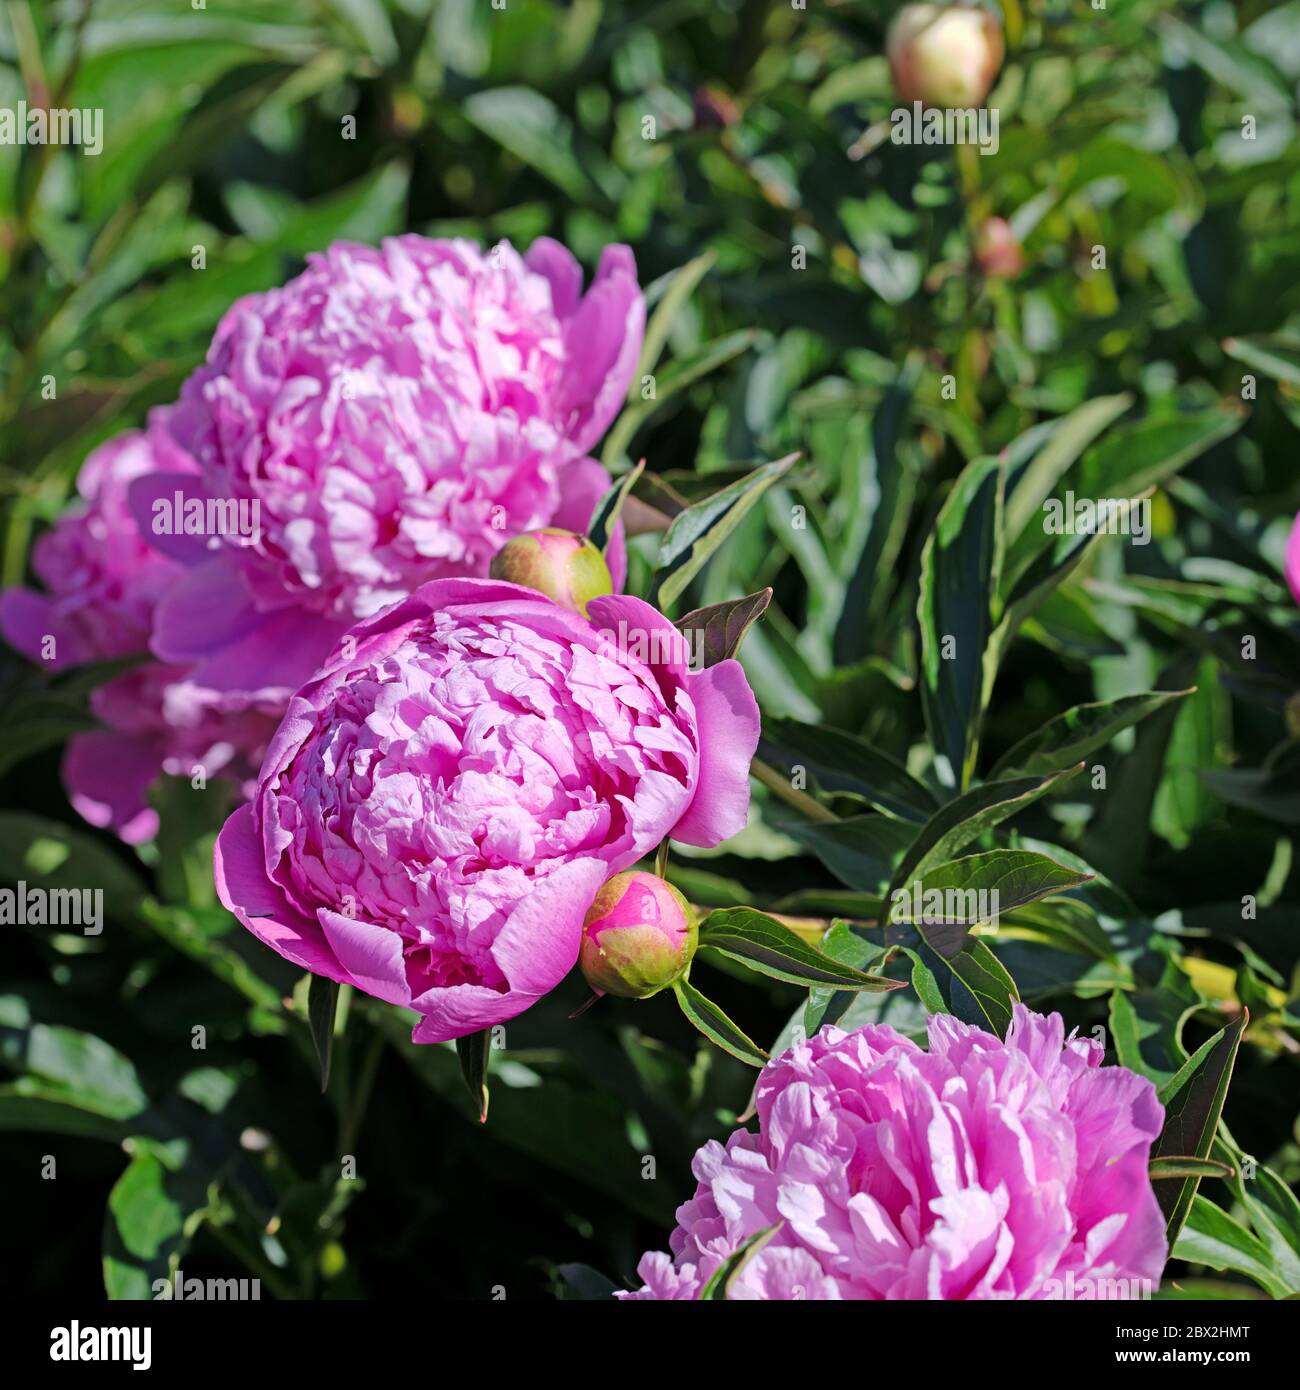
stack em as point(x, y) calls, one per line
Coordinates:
point(781, 787)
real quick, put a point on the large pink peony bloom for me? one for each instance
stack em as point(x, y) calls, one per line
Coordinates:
point(397, 414)
point(979, 1169)
point(102, 579)
point(444, 800)
point(103, 583)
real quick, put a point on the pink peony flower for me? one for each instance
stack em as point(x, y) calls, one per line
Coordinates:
point(102, 578)
point(445, 798)
point(103, 583)
point(396, 414)
point(979, 1169)
point(1293, 560)
point(159, 722)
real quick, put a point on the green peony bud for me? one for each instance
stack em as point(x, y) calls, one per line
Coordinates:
point(559, 564)
point(638, 937)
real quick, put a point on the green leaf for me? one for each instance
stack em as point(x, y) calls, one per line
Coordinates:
point(960, 568)
point(696, 533)
point(1278, 358)
point(839, 762)
point(1147, 1023)
point(66, 1065)
point(926, 986)
point(48, 855)
point(987, 979)
point(1192, 1120)
point(1211, 1237)
point(859, 850)
point(1071, 736)
point(722, 1278)
point(142, 1229)
point(716, 632)
point(27, 1105)
point(964, 819)
point(768, 946)
point(1000, 880)
point(1130, 460)
point(153, 1211)
point(608, 508)
point(1272, 1206)
point(677, 287)
point(676, 377)
point(474, 1053)
point(535, 131)
point(1146, 454)
point(1185, 1166)
point(322, 1005)
point(1070, 437)
point(716, 1026)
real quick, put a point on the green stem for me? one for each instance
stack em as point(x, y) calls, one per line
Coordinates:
point(260, 1267)
point(359, 1100)
point(781, 787)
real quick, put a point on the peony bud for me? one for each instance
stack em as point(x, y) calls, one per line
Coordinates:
point(997, 251)
point(638, 936)
point(559, 564)
point(944, 56)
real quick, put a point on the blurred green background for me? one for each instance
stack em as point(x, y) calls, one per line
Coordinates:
point(841, 290)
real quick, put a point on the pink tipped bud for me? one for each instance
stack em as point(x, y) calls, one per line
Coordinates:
point(559, 564)
point(997, 251)
point(944, 56)
point(638, 937)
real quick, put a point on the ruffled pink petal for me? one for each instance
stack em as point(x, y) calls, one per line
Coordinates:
point(146, 498)
point(108, 776)
point(727, 715)
point(602, 341)
point(260, 904)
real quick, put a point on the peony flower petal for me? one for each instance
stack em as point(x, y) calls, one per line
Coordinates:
point(245, 890)
point(602, 341)
point(108, 776)
point(727, 717)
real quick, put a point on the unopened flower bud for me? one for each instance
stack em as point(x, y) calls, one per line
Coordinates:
point(638, 937)
point(997, 250)
point(944, 56)
point(559, 564)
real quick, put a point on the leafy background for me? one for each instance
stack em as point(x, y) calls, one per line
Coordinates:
point(1120, 128)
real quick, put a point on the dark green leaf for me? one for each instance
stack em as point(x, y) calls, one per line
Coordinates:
point(696, 533)
point(1192, 1119)
point(1071, 736)
point(474, 1053)
point(981, 887)
point(839, 762)
point(959, 578)
point(955, 825)
point(716, 632)
point(322, 1004)
point(716, 1026)
point(608, 508)
point(768, 946)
